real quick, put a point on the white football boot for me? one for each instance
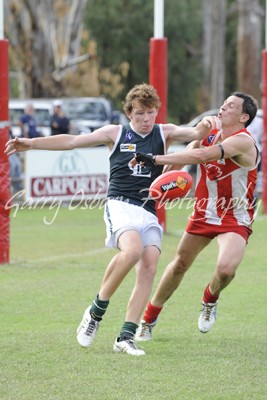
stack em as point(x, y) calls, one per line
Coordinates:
point(87, 329)
point(128, 347)
point(207, 317)
point(144, 331)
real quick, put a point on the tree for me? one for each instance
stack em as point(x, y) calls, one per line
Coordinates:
point(213, 49)
point(218, 45)
point(227, 26)
point(121, 29)
point(249, 46)
point(183, 28)
point(44, 39)
point(213, 52)
point(206, 50)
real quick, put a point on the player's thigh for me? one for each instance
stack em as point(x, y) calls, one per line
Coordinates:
point(232, 248)
point(130, 240)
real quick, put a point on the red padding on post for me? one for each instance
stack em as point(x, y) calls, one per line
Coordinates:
point(4, 161)
point(158, 77)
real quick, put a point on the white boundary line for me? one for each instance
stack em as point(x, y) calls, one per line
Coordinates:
point(64, 256)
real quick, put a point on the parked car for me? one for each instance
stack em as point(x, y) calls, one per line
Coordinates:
point(43, 112)
point(90, 112)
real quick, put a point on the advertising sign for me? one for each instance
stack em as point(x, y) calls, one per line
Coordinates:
point(67, 175)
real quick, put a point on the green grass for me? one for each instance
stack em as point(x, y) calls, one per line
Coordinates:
point(55, 272)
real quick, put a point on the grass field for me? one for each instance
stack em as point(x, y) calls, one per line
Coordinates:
point(55, 272)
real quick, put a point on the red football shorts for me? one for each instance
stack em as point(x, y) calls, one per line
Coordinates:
point(211, 231)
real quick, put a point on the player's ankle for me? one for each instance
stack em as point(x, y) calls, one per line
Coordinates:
point(208, 297)
point(151, 313)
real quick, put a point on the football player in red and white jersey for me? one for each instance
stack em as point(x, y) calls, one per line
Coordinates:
point(224, 208)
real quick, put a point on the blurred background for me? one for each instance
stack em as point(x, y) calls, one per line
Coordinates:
point(81, 48)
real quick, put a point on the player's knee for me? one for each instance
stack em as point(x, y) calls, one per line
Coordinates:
point(150, 270)
point(133, 255)
point(225, 272)
point(179, 265)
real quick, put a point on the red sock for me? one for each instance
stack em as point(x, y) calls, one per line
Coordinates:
point(208, 297)
point(151, 313)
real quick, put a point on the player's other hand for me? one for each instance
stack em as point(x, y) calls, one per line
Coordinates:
point(17, 145)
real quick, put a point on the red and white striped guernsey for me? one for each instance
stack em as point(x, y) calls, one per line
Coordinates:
point(224, 190)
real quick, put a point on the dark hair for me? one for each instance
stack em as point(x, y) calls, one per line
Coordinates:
point(250, 105)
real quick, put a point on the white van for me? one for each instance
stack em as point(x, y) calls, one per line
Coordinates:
point(43, 111)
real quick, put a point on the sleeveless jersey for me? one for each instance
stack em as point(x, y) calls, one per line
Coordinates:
point(129, 183)
point(224, 190)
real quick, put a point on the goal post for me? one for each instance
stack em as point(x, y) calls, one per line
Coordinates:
point(4, 161)
point(158, 76)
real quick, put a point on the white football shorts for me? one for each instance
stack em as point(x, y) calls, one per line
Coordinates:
point(121, 216)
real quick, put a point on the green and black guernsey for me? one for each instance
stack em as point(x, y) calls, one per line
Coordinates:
point(131, 184)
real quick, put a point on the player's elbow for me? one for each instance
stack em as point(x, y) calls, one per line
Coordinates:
point(70, 144)
point(71, 141)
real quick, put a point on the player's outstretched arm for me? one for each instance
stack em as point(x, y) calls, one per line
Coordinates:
point(241, 148)
point(59, 142)
point(194, 156)
point(188, 134)
point(192, 145)
point(105, 135)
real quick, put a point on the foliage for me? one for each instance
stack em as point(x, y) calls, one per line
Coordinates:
point(55, 272)
point(122, 30)
point(44, 42)
point(115, 37)
point(118, 25)
point(183, 30)
point(128, 26)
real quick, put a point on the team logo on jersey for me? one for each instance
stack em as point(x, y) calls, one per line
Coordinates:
point(210, 138)
point(129, 135)
point(128, 147)
point(141, 171)
point(214, 171)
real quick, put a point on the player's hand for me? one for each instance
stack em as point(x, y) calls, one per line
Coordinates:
point(143, 158)
point(17, 145)
point(212, 122)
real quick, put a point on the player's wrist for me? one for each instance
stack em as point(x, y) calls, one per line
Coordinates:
point(148, 159)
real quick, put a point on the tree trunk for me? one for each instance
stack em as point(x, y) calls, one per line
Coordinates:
point(249, 47)
point(218, 56)
point(44, 41)
point(207, 39)
point(206, 54)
